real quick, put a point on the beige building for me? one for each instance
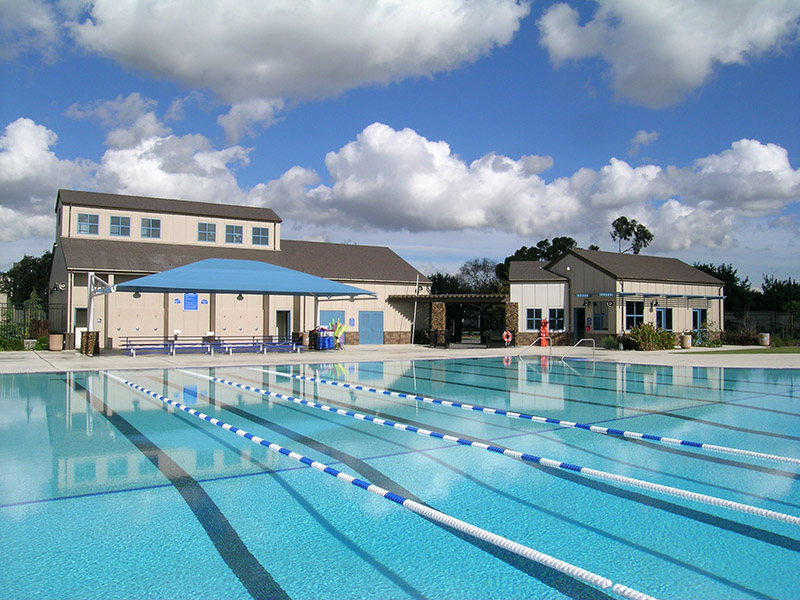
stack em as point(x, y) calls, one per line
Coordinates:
point(111, 239)
point(593, 294)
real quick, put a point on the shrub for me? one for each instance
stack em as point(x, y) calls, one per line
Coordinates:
point(610, 342)
point(708, 336)
point(740, 337)
point(647, 336)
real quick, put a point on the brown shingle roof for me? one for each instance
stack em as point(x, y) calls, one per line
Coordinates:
point(166, 205)
point(644, 268)
point(342, 262)
point(531, 270)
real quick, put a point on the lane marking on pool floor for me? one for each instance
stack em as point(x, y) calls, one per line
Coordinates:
point(546, 462)
point(515, 547)
point(539, 419)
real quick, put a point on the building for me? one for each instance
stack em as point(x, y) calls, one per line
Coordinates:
point(594, 294)
point(114, 239)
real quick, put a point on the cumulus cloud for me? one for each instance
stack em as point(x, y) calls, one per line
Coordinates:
point(285, 48)
point(659, 51)
point(244, 117)
point(27, 25)
point(130, 119)
point(641, 139)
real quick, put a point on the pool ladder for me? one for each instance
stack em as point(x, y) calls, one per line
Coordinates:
point(550, 340)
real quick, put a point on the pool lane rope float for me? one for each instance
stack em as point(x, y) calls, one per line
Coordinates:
point(545, 462)
point(547, 420)
point(430, 513)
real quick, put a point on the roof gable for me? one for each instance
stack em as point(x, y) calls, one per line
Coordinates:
point(531, 270)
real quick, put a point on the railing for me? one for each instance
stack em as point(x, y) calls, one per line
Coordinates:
point(578, 343)
point(538, 339)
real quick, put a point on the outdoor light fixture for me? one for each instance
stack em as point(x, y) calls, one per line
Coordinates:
point(610, 302)
point(653, 303)
point(240, 297)
point(137, 295)
point(587, 303)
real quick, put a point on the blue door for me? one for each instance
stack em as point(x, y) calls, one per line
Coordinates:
point(370, 327)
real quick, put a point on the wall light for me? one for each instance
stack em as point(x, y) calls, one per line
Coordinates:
point(240, 297)
point(587, 303)
point(137, 295)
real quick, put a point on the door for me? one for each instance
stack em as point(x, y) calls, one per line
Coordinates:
point(579, 324)
point(283, 322)
point(370, 327)
point(326, 317)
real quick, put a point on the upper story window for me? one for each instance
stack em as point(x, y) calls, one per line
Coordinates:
point(120, 226)
point(233, 234)
point(151, 228)
point(206, 232)
point(88, 223)
point(260, 236)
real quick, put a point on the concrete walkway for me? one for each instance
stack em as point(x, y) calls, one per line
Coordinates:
point(71, 360)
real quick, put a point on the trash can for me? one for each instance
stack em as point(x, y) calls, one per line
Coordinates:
point(56, 342)
point(763, 339)
point(686, 340)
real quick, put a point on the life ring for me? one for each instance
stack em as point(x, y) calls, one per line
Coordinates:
point(507, 337)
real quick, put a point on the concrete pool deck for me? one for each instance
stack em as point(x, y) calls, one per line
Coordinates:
point(71, 360)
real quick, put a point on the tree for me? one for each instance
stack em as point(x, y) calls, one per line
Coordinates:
point(630, 231)
point(31, 274)
point(478, 276)
point(445, 283)
point(544, 250)
point(739, 297)
point(779, 294)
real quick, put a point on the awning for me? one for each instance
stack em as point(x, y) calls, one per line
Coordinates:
point(229, 276)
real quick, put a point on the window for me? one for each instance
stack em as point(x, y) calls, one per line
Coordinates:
point(533, 319)
point(206, 232)
point(664, 318)
point(120, 226)
point(634, 314)
point(556, 319)
point(260, 236)
point(88, 224)
point(233, 234)
point(699, 318)
point(151, 228)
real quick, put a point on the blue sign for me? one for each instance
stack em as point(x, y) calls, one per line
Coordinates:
point(204, 301)
point(177, 301)
point(190, 301)
point(352, 322)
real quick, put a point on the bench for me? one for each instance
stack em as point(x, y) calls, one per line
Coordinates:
point(143, 344)
point(268, 343)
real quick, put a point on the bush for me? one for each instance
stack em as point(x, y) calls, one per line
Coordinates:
point(647, 336)
point(708, 336)
point(740, 337)
point(610, 342)
point(10, 343)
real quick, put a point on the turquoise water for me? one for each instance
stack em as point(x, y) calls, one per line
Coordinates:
point(105, 492)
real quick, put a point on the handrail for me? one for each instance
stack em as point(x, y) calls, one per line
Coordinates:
point(533, 343)
point(578, 343)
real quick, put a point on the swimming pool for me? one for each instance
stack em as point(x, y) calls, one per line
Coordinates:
point(109, 488)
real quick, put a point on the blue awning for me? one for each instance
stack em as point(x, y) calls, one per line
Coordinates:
point(228, 276)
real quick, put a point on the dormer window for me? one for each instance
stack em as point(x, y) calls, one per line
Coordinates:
point(151, 228)
point(233, 234)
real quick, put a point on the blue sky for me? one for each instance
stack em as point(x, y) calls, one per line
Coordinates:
point(447, 130)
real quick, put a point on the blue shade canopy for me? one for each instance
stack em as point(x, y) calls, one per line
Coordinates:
point(228, 276)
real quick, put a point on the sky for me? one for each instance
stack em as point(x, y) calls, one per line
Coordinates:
point(445, 129)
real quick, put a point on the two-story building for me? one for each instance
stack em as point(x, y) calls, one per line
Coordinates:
point(115, 239)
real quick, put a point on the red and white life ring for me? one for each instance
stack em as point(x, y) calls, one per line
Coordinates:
point(507, 337)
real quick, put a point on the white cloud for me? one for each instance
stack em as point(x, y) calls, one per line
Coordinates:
point(285, 48)
point(659, 51)
point(243, 116)
point(131, 119)
point(27, 25)
point(641, 139)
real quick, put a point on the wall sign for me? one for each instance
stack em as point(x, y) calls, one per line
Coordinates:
point(190, 301)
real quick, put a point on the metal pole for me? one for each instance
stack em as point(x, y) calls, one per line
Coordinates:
point(414, 318)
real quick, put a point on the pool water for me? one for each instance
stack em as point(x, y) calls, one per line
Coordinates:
point(108, 492)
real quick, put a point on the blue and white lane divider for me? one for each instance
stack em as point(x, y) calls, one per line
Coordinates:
point(430, 513)
point(545, 462)
point(538, 419)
